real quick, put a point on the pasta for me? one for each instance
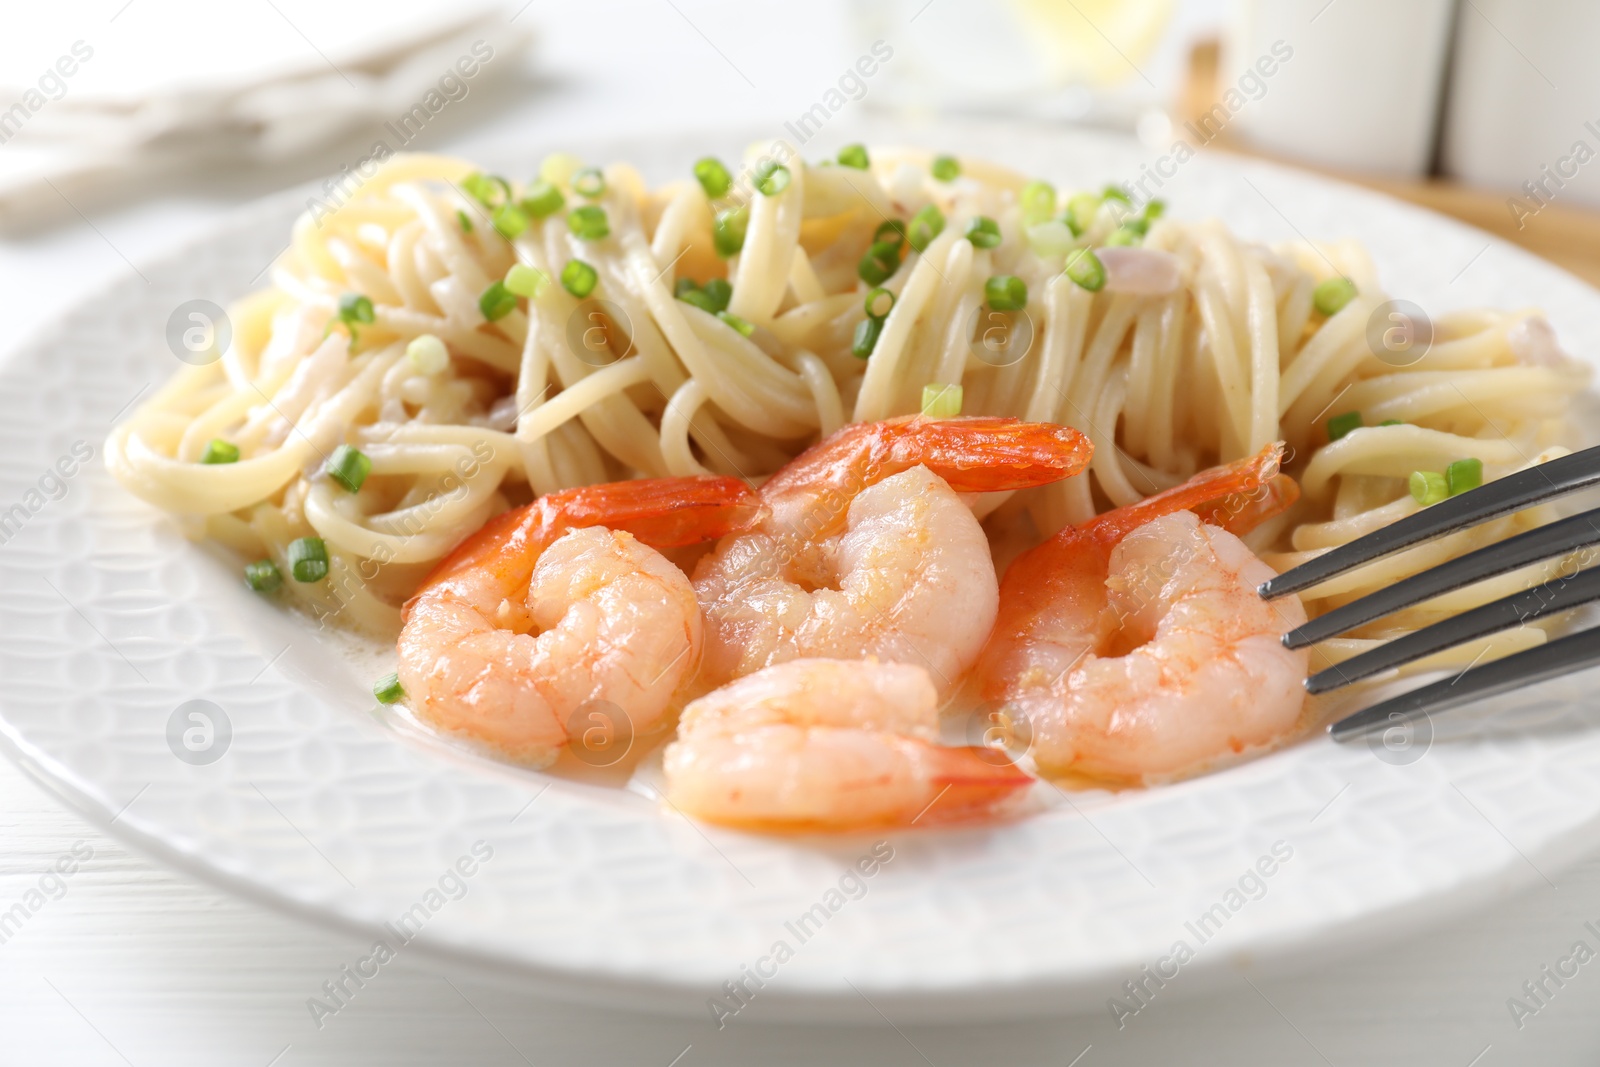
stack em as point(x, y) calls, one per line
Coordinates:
point(474, 349)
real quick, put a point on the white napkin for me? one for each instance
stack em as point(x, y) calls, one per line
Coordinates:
point(156, 85)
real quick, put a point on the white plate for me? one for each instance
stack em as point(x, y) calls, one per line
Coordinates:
point(112, 621)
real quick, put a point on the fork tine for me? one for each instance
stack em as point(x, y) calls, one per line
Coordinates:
point(1559, 594)
point(1574, 652)
point(1511, 493)
point(1564, 535)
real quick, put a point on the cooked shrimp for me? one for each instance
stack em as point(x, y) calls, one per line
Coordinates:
point(560, 603)
point(868, 551)
point(1135, 646)
point(829, 744)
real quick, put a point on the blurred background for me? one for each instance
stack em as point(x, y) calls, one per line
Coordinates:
point(128, 127)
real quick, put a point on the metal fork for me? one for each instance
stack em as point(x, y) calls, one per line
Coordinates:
point(1564, 655)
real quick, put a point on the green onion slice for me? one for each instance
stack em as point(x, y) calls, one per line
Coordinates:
point(509, 221)
point(466, 223)
point(771, 178)
point(1340, 425)
point(496, 302)
point(925, 226)
point(727, 232)
point(983, 232)
point(220, 451)
point(890, 231)
point(490, 190)
point(263, 576)
point(941, 401)
point(879, 263)
point(866, 337)
point(589, 222)
point(388, 689)
point(349, 467)
point(589, 183)
point(946, 168)
point(854, 155)
point(713, 177)
point(527, 281)
point(1081, 210)
point(1085, 268)
point(736, 322)
point(1331, 296)
point(1038, 202)
point(308, 559)
point(1428, 487)
point(1464, 474)
point(542, 199)
point(879, 303)
point(578, 278)
point(720, 291)
point(1006, 292)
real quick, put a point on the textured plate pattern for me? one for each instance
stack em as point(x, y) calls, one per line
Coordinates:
point(112, 620)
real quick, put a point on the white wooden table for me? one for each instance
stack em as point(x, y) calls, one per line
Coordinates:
point(134, 964)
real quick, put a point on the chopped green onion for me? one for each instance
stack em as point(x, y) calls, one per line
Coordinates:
point(262, 576)
point(701, 299)
point(589, 222)
point(1006, 292)
point(1464, 474)
point(1391, 422)
point(879, 264)
point(736, 322)
point(925, 226)
point(527, 281)
point(720, 291)
point(941, 401)
point(466, 223)
point(713, 177)
point(1081, 210)
point(1340, 425)
point(558, 167)
point(1085, 268)
point(983, 232)
point(1115, 192)
point(946, 168)
point(879, 303)
point(1428, 487)
point(684, 286)
point(1038, 202)
point(866, 337)
point(509, 221)
point(543, 199)
point(771, 178)
point(308, 559)
point(427, 353)
point(854, 155)
point(388, 689)
point(1050, 238)
point(220, 451)
point(1124, 237)
point(578, 278)
point(354, 308)
point(1331, 296)
point(349, 467)
point(727, 232)
point(490, 190)
point(496, 302)
point(891, 231)
point(1155, 209)
point(589, 183)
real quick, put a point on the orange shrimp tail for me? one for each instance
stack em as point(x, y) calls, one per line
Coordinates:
point(1230, 492)
point(971, 781)
point(1239, 513)
point(661, 512)
point(974, 454)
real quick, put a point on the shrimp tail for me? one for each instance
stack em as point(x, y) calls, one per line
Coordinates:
point(661, 512)
point(1244, 492)
point(970, 781)
point(980, 454)
point(1239, 513)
